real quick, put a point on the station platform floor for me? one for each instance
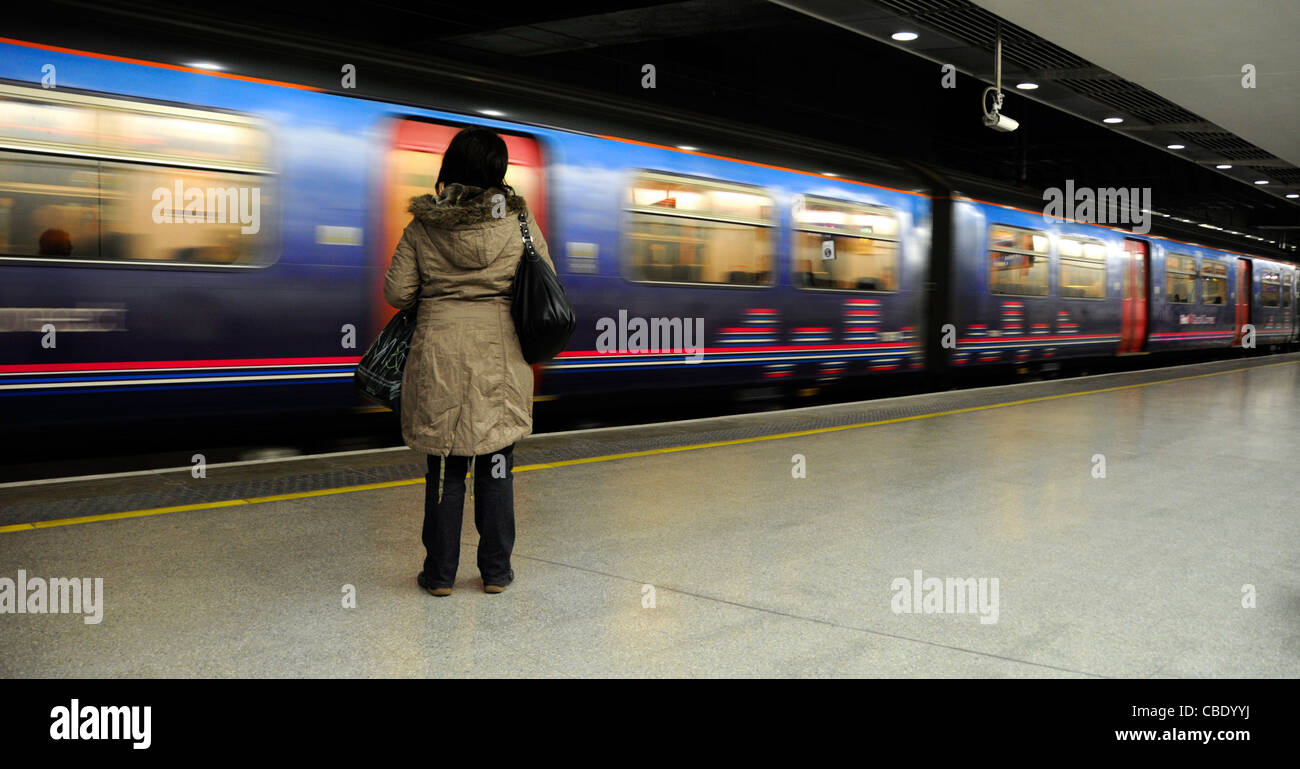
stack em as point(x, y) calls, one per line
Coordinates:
point(692, 549)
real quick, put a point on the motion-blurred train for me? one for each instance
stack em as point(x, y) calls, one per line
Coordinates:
point(174, 242)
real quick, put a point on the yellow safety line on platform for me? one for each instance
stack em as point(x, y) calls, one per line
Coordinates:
point(609, 457)
point(204, 506)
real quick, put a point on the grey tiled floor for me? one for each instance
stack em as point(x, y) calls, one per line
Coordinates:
point(754, 572)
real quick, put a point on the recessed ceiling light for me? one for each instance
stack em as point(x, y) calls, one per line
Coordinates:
point(904, 37)
point(1224, 166)
point(209, 65)
point(1294, 195)
point(1113, 120)
point(492, 112)
point(1026, 86)
point(828, 173)
point(1261, 181)
point(1176, 146)
point(687, 147)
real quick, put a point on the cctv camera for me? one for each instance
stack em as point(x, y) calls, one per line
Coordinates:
point(1001, 123)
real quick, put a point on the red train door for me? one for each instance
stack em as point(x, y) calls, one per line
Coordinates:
point(1133, 330)
point(1243, 300)
point(414, 156)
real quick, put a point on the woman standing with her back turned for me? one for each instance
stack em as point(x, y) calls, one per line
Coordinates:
point(467, 392)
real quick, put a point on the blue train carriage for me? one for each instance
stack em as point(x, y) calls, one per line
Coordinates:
point(1202, 297)
point(1206, 297)
point(789, 276)
point(1272, 302)
point(1031, 293)
point(1028, 292)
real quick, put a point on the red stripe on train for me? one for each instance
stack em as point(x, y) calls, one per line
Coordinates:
point(23, 368)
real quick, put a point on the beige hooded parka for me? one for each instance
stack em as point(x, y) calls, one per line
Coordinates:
point(466, 390)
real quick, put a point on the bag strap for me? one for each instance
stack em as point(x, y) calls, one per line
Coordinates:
point(529, 250)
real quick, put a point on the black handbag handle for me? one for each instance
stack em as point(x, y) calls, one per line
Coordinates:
point(529, 250)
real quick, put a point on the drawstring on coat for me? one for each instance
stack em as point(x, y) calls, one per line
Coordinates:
point(442, 464)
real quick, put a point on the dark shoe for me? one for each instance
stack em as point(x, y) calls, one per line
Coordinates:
point(498, 585)
point(438, 591)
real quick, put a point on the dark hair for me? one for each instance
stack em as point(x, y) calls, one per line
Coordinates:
point(476, 157)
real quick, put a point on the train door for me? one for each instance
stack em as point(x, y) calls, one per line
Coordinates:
point(1133, 331)
point(1243, 286)
point(414, 156)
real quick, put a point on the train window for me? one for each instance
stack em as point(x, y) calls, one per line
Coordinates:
point(197, 192)
point(1017, 261)
point(1180, 279)
point(1214, 282)
point(1083, 269)
point(865, 245)
point(685, 230)
point(75, 209)
point(1270, 289)
point(62, 123)
point(1286, 294)
point(49, 206)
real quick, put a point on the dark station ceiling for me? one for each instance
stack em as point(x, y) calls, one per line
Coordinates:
point(788, 73)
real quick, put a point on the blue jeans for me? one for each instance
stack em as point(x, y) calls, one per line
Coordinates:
point(494, 516)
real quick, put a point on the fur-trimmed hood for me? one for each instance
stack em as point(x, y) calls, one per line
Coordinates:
point(461, 205)
point(468, 226)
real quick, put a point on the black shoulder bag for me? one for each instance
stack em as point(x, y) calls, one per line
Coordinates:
point(544, 318)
